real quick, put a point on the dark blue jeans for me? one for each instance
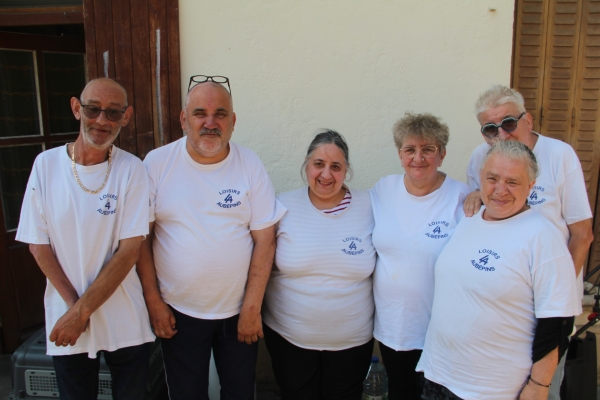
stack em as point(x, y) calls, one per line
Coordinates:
point(187, 359)
point(77, 374)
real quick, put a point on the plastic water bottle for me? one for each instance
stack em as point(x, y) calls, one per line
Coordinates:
point(375, 386)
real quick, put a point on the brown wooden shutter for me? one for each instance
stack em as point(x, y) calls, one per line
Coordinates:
point(129, 40)
point(586, 141)
point(560, 69)
point(557, 69)
point(530, 53)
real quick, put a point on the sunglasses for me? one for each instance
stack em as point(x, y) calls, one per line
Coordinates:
point(508, 124)
point(111, 114)
point(196, 79)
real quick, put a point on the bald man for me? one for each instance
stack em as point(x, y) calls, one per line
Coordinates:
point(84, 216)
point(213, 212)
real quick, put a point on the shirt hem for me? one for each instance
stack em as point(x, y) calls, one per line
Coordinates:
point(90, 352)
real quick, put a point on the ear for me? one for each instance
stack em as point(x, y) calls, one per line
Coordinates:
point(528, 121)
point(234, 119)
point(76, 107)
point(127, 116)
point(183, 120)
point(531, 184)
point(442, 155)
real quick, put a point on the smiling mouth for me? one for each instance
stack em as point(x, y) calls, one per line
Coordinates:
point(210, 132)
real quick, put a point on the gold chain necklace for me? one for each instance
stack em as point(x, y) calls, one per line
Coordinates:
point(77, 176)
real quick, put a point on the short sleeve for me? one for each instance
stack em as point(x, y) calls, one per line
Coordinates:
point(135, 217)
point(33, 228)
point(152, 183)
point(266, 210)
point(574, 200)
point(553, 277)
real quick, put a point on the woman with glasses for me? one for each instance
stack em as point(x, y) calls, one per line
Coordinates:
point(318, 308)
point(415, 216)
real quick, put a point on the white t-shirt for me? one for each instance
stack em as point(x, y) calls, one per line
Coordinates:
point(84, 230)
point(559, 193)
point(203, 217)
point(320, 294)
point(410, 232)
point(489, 292)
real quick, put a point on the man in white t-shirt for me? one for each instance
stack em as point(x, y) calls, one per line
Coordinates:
point(204, 270)
point(83, 215)
point(559, 193)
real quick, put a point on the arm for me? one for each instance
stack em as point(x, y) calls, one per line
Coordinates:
point(45, 258)
point(250, 322)
point(541, 372)
point(579, 242)
point(71, 325)
point(472, 203)
point(161, 316)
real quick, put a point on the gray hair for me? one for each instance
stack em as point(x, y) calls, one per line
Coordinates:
point(422, 126)
point(514, 150)
point(498, 95)
point(327, 136)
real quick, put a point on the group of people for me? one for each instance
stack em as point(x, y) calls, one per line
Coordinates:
point(469, 290)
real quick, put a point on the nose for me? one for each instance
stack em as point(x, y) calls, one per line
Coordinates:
point(501, 188)
point(101, 119)
point(502, 134)
point(210, 122)
point(326, 172)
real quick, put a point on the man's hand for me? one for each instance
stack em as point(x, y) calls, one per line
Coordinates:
point(250, 327)
point(472, 203)
point(531, 391)
point(161, 319)
point(69, 327)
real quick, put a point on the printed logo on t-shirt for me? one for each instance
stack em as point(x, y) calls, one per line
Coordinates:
point(353, 245)
point(484, 259)
point(108, 204)
point(230, 198)
point(536, 196)
point(436, 230)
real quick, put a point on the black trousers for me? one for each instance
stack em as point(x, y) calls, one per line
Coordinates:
point(187, 359)
point(304, 374)
point(404, 383)
point(77, 374)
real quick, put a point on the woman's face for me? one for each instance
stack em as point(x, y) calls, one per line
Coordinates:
point(417, 160)
point(326, 171)
point(505, 186)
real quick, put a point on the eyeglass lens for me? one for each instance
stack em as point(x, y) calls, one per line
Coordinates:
point(196, 79)
point(508, 124)
point(112, 114)
point(427, 151)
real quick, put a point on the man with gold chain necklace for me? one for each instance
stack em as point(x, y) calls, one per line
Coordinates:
point(84, 216)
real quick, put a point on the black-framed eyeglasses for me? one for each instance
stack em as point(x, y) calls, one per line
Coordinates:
point(508, 124)
point(112, 114)
point(196, 79)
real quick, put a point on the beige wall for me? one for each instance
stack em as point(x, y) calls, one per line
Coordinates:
point(354, 66)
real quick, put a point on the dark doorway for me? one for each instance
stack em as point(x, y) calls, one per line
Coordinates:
point(41, 68)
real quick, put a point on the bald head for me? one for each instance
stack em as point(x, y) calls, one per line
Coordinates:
point(206, 87)
point(104, 83)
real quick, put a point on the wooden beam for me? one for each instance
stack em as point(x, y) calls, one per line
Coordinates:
point(41, 16)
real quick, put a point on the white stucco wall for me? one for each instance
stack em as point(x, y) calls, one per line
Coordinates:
point(355, 66)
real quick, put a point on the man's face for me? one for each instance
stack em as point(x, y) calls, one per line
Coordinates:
point(505, 186)
point(497, 114)
point(99, 132)
point(208, 121)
